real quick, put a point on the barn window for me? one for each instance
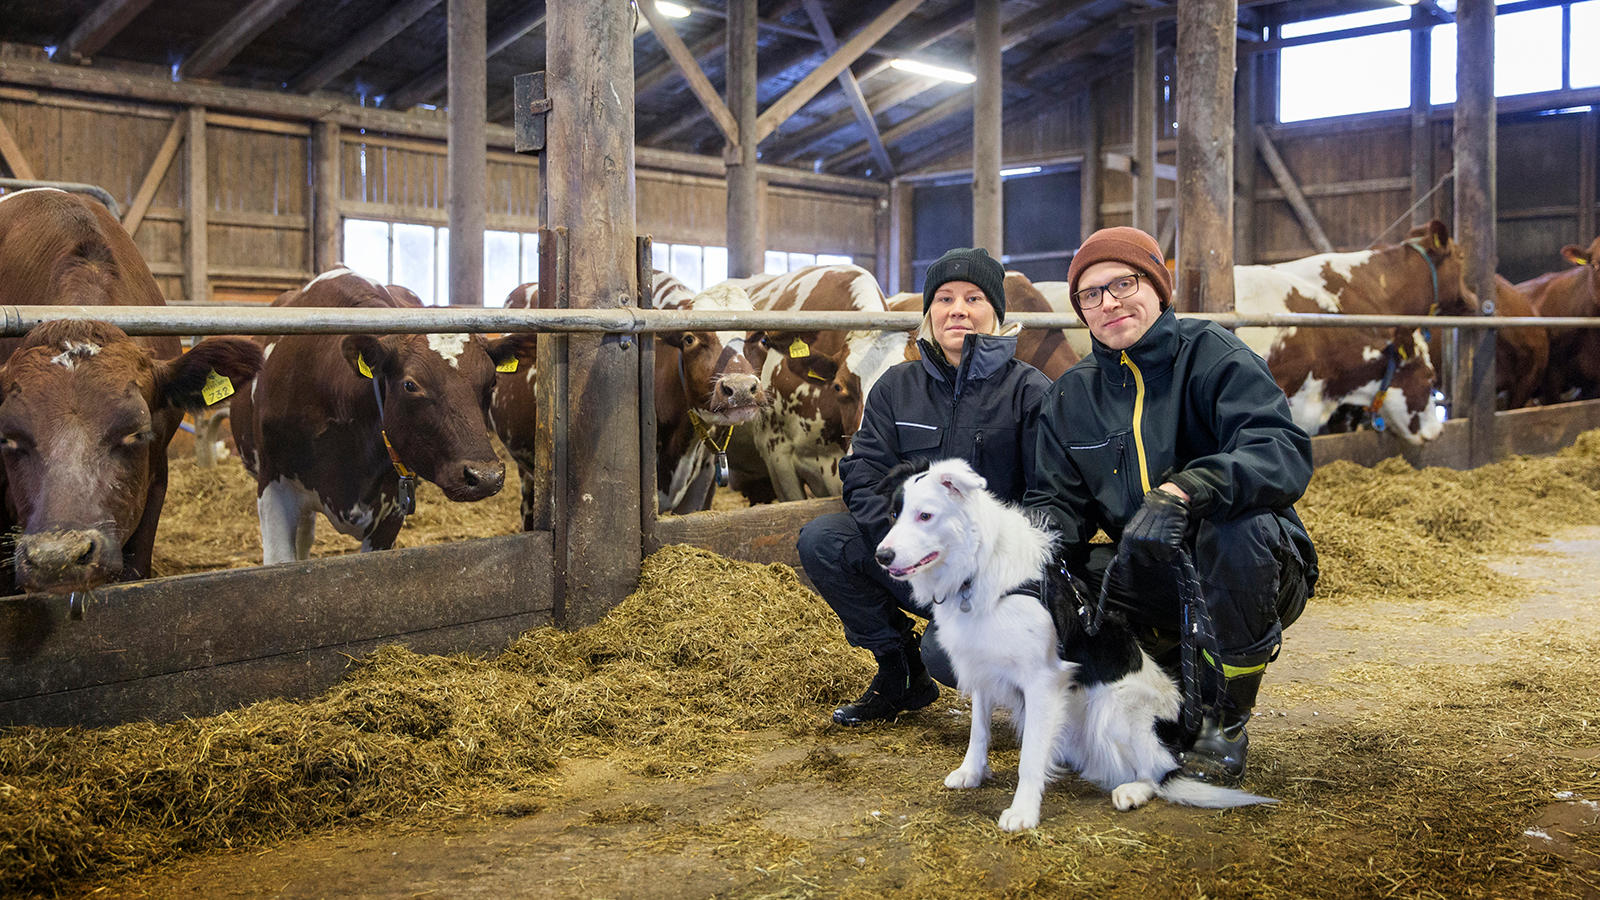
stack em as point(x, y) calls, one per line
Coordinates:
point(1346, 76)
point(1527, 54)
point(1585, 70)
point(418, 257)
point(697, 266)
point(778, 262)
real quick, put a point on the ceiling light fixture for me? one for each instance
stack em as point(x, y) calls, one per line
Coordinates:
point(932, 71)
point(672, 10)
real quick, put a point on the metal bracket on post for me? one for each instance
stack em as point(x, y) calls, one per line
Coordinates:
point(529, 108)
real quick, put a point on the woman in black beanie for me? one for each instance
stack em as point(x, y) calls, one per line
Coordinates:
point(968, 397)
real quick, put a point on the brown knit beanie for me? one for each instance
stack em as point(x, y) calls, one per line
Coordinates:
point(1139, 251)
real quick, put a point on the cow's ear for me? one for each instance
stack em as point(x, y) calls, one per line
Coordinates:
point(1572, 253)
point(1437, 235)
point(364, 352)
point(209, 373)
point(672, 338)
point(513, 351)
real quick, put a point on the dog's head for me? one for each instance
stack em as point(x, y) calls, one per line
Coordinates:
point(930, 515)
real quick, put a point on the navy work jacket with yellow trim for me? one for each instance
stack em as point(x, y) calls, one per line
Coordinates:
point(983, 411)
point(1189, 403)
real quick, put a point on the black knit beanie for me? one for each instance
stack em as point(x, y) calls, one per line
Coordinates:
point(968, 264)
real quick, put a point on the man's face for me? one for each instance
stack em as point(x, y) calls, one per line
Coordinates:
point(1119, 323)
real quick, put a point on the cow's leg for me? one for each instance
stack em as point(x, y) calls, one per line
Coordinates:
point(305, 533)
point(280, 506)
point(383, 534)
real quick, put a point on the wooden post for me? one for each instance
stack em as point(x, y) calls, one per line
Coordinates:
point(883, 233)
point(468, 178)
point(1144, 127)
point(988, 214)
point(745, 249)
point(1089, 173)
point(1588, 161)
point(1421, 126)
point(903, 224)
point(196, 202)
point(1244, 160)
point(326, 243)
point(1475, 206)
point(1206, 38)
point(589, 53)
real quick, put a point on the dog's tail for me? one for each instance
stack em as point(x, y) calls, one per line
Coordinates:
point(1191, 792)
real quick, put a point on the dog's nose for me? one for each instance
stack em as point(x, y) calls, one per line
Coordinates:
point(884, 556)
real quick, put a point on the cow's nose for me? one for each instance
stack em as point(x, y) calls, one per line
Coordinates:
point(489, 477)
point(47, 559)
point(738, 390)
point(884, 556)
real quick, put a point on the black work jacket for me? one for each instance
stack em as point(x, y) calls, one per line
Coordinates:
point(985, 412)
point(1187, 403)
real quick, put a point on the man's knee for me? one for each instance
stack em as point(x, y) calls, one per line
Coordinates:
point(822, 541)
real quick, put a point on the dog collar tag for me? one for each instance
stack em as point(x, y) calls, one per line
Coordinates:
point(509, 365)
point(362, 367)
point(966, 597)
point(799, 349)
point(216, 389)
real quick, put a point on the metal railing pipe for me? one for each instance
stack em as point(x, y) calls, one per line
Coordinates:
point(202, 320)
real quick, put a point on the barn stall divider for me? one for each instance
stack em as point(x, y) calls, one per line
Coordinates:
point(199, 644)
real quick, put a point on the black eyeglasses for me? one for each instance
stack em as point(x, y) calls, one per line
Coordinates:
point(1121, 288)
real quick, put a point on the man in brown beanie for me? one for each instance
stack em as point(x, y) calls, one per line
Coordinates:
point(1173, 437)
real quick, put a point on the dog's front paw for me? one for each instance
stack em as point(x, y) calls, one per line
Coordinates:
point(1018, 819)
point(966, 777)
point(1132, 795)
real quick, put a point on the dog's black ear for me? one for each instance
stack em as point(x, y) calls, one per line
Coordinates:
point(894, 482)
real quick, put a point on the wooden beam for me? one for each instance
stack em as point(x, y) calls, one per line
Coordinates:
point(895, 94)
point(467, 181)
point(327, 173)
point(956, 103)
point(1144, 105)
point(698, 83)
point(590, 193)
point(1474, 142)
point(11, 152)
point(708, 47)
point(851, 88)
point(1080, 44)
point(1091, 172)
point(1205, 154)
point(1421, 126)
point(1588, 162)
point(1244, 161)
point(155, 174)
point(1291, 190)
point(365, 42)
point(743, 211)
point(801, 94)
point(435, 77)
point(220, 49)
point(988, 214)
point(102, 23)
point(196, 204)
point(1122, 162)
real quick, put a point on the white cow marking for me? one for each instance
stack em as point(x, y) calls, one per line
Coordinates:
point(74, 352)
point(328, 275)
point(449, 346)
point(8, 196)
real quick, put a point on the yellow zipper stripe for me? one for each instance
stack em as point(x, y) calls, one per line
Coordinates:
point(1138, 421)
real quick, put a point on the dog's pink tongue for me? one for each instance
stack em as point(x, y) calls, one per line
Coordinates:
point(915, 566)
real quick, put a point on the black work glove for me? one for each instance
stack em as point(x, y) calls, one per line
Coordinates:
point(1157, 531)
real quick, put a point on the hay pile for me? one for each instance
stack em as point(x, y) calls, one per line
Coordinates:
point(706, 649)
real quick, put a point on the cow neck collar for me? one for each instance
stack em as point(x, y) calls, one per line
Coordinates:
point(1154, 351)
point(706, 433)
point(408, 479)
point(982, 355)
point(1433, 270)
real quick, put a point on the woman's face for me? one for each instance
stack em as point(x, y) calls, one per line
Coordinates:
point(959, 308)
point(1119, 324)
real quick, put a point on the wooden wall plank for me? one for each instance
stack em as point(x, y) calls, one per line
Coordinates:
point(11, 152)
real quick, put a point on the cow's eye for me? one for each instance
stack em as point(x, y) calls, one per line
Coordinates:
point(924, 516)
point(688, 341)
point(9, 444)
point(838, 388)
point(135, 439)
point(411, 386)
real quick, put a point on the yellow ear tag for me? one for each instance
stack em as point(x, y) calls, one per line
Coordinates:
point(362, 367)
point(799, 349)
point(509, 365)
point(216, 388)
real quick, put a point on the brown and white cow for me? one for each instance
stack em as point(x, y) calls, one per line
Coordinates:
point(1520, 354)
point(1046, 349)
point(817, 379)
point(1573, 372)
point(1383, 370)
point(316, 427)
point(700, 376)
point(86, 412)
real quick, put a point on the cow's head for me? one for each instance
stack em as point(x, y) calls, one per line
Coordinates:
point(1453, 296)
point(1410, 407)
point(434, 392)
point(821, 383)
point(1578, 256)
point(85, 417)
point(717, 381)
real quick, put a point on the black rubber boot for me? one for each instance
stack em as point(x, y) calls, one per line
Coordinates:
point(901, 685)
point(1219, 750)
